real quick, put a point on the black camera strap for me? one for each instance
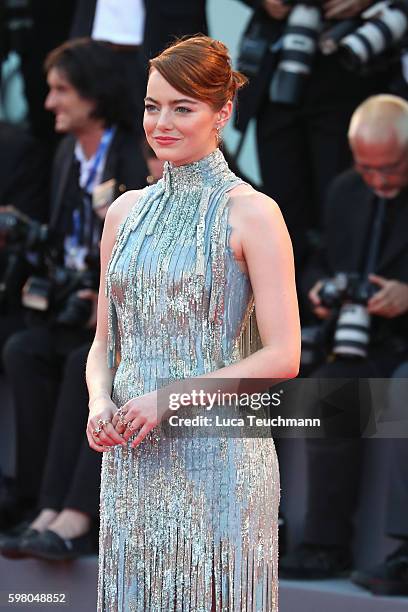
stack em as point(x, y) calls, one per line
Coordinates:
point(376, 234)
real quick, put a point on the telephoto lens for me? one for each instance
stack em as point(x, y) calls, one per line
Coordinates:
point(298, 48)
point(331, 37)
point(386, 25)
point(352, 334)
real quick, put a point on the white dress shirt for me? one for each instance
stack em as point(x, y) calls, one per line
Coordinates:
point(119, 21)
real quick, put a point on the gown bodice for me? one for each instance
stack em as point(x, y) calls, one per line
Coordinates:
point(178, 299)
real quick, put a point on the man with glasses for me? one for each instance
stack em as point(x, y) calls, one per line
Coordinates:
point(366, 234)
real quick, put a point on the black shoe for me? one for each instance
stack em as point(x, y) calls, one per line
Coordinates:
point(387, 578)
point(50, 546)
point(314, 562)
point(14, 511)
point(13, 543)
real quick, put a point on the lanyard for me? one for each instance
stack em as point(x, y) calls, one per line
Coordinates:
point(85, 231)
point(99, 155)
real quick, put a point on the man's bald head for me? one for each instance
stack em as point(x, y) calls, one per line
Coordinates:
point(378, 138)
point(380, 119)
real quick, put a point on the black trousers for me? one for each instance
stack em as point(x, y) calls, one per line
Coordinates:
point(397, 510)
point(302, 148)
point(300, 152)
point(72, 470)
point(333, 463)
point(9, 325)
point(34, 361)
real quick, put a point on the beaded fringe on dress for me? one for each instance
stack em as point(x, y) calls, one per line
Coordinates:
point(187, 524)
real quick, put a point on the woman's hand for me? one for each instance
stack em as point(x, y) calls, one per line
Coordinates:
point(100, 432)
point(138, 413)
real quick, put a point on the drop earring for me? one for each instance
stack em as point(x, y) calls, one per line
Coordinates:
point(218, 135)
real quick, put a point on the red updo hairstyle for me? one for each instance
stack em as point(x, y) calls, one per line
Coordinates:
point(200, 67)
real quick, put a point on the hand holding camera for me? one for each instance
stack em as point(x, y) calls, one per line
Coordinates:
point(344, 9)
point(352, 299)
point(322, 312)
point(276, 9)
point(391, 300)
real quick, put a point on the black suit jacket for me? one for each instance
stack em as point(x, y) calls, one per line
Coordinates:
point(124, 162)
point(349, 210)
point(164, 21)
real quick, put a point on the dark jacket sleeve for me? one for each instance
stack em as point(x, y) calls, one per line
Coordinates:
point(166, 21)
point(24, 173)
point(318, 266)
point(130, 169)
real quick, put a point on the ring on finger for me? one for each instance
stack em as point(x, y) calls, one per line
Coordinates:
point(104, 422)
point(130, 426)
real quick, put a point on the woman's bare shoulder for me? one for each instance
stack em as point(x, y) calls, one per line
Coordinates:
point(250, 204)
point(118, 211)
point(122, 206)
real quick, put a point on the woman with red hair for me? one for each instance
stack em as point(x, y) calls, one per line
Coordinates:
point(189, 515)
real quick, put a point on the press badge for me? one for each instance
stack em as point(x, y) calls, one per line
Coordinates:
point(104, 194)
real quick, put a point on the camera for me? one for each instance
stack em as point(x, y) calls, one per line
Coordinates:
point(18, 234)
point(53, 288)
point(16, 229)
point(58, 293)
point(349, 293)
point(360, 41)
point(298, 48)
point(252, 51)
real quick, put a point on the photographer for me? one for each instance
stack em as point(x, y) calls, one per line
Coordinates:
point(24, 178)
point(99, 158)
point(366, 237)
point(302, 143)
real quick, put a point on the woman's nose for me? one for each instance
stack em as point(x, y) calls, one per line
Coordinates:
point(164, 120)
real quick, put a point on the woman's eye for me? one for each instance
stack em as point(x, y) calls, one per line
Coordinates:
point(182, 109)
point(150, 108)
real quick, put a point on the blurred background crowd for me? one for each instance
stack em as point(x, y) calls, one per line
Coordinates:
point(71, 141)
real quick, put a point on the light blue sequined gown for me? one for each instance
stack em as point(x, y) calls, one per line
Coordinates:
point(190, 523)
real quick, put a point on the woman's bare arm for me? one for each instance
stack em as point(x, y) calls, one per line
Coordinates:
point(99, 377)
point(263, 242)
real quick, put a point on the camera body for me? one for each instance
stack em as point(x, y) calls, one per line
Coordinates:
point(348, 293)
point(346, 287)
point(53, 288)
point(58, 293)
point(18, 234)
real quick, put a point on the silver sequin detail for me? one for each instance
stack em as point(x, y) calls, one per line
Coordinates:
point(184, 520)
